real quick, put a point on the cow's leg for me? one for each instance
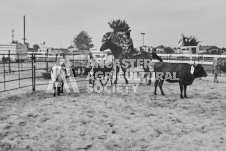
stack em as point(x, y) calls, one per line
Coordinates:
point(74, 73)
point(111, 78)
point(156, 84)
point(94, 82)
point(62, 87)
point(216, 74)
point(93, 78)
point(116, 78)
point(185, 91)
point(160, 86)
point(181, 90)
point(149, 80)
point(147, 73)
point(124, 74)
point(54, 93)
point(58, 90)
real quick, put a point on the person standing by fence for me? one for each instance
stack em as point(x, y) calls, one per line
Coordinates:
point(55, 77)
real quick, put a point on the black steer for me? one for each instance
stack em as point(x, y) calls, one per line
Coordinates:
point(177, 72)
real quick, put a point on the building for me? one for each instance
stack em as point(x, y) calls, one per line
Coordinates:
point(209, 49)
point(146, 48)
point(177, 50)
point(189, 49)
point(17, 51)
point(160, 49)
point(43, 49)
point(72, 49)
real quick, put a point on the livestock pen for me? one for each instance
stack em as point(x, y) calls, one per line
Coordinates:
point(35, 70)
point(32, 72)
point(116, 121)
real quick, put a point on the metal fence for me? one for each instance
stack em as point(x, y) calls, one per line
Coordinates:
point(32, 71)
point(35, 69)
point(204, 59)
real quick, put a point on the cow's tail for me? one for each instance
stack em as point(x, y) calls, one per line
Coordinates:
point(155, 56)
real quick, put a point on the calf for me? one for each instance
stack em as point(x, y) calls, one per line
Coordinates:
point(182, 73)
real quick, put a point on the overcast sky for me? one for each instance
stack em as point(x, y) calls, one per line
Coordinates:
point(57, 22)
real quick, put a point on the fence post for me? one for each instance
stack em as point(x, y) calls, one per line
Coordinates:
point(19, 72)
point(4, 72)
point(9, 61)
point(33, 71)
point(47, 64)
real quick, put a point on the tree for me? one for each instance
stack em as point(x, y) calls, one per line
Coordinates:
point(36, 46)
point(168, 50)
point(15, 42)
point(119, 26)
point(83, 41)
point(188, 41)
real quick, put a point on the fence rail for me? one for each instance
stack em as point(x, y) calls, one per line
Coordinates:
point(29, 73)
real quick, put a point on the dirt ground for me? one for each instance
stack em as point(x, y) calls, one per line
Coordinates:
point(133, 121)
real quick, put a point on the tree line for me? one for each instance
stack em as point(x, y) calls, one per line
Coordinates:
point(83, 41)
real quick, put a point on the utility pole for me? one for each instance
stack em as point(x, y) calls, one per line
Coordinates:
point(24, 31)
point(12, 35)
point(143, 37)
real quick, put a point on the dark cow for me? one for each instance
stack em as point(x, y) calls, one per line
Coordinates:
point(182, 73)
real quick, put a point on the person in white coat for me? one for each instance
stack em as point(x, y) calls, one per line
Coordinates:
point(58, 76)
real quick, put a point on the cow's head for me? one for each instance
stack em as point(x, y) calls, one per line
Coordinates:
point(199, 71)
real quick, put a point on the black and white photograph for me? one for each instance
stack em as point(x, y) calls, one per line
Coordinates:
point(112, 75)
